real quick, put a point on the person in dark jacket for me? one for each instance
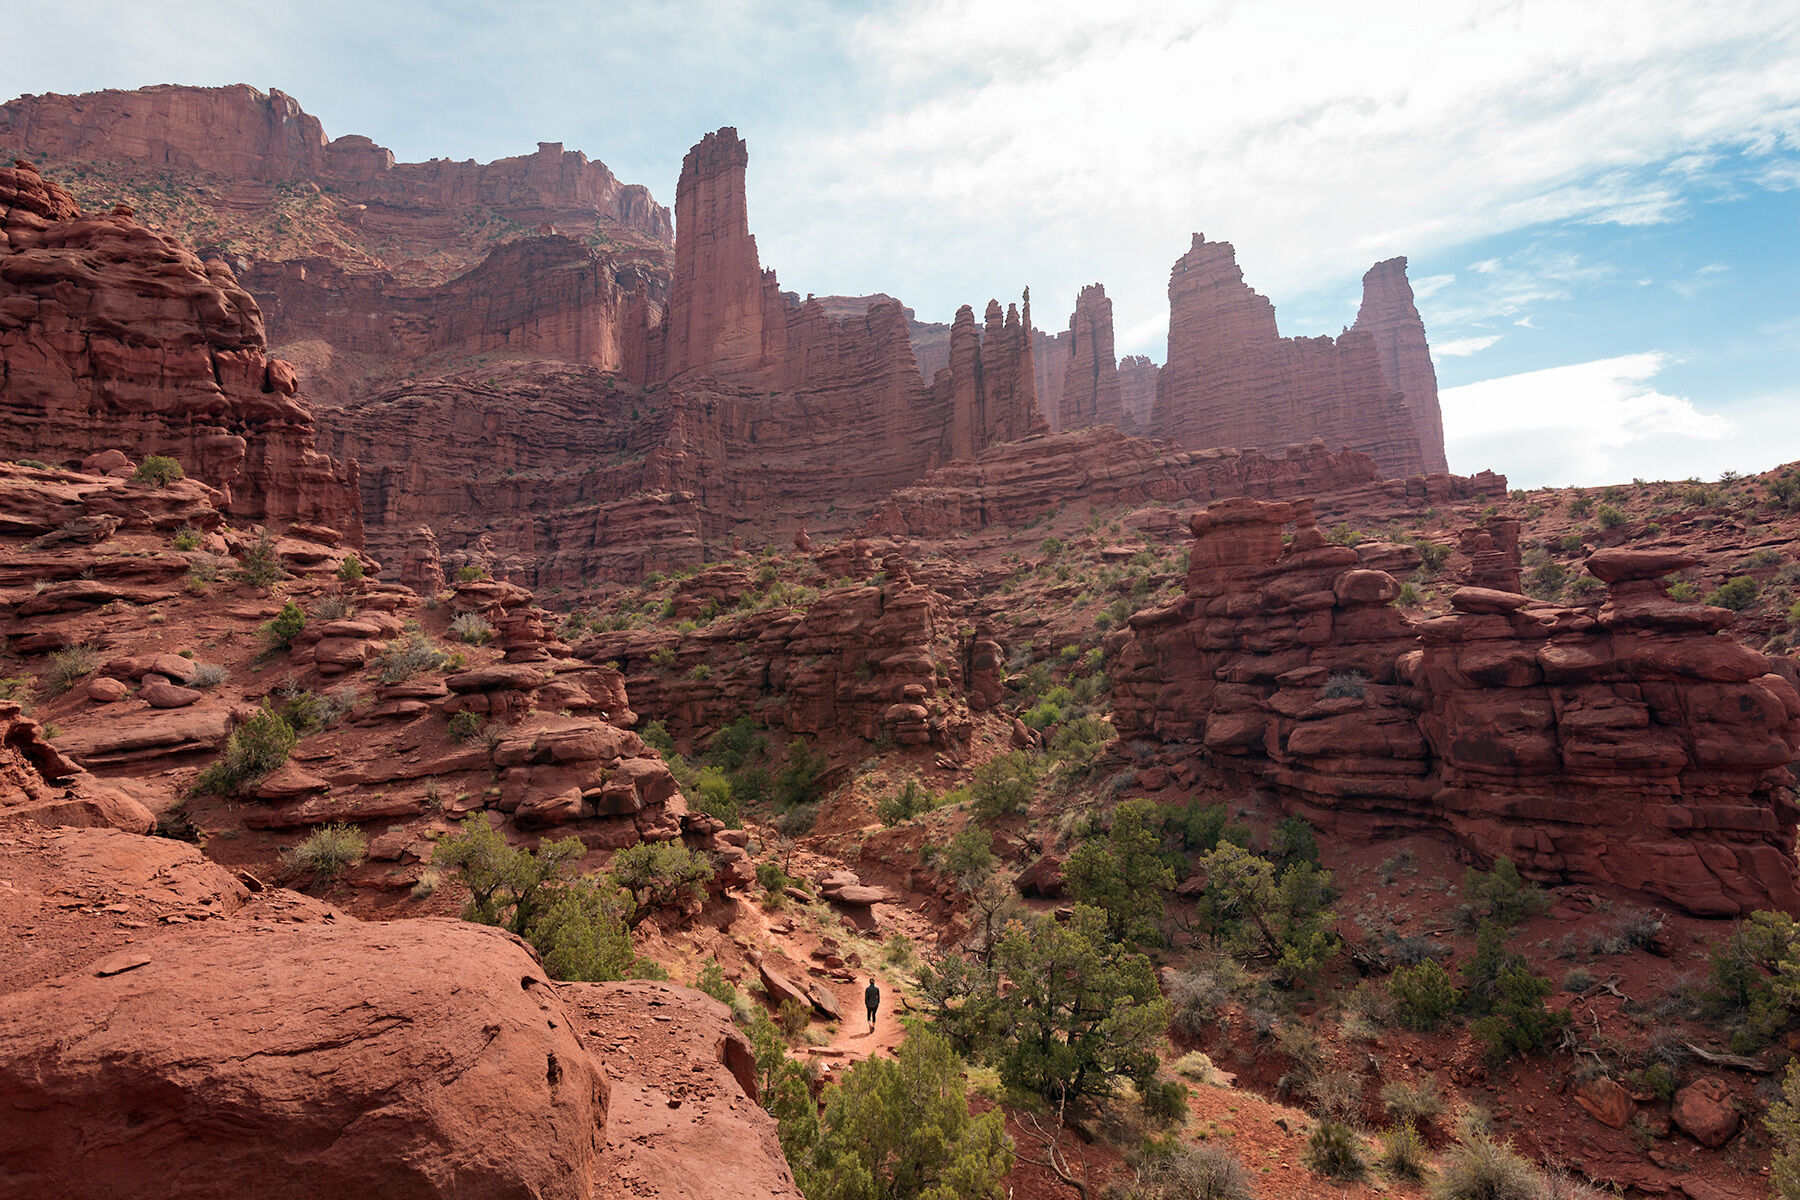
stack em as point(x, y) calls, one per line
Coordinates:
point(872, 998)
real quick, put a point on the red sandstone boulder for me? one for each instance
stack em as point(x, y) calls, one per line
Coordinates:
point(1706, 1112)
point(293, 1061)
point(1617, 564)
point(1606, 1102)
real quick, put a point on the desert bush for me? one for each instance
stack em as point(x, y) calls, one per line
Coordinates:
point(465, 726)
point(405, 657)
point(713, 796)
point(328, 851)
point(1404, 1154)
point(471, 628)
point(1424, 996)
point(280, 632)
point(793, 1017)
point(1412, 1103)
point(657, 875)
point(663, 656)
point(261, 564)
point(1609, 517)
point(1502, 895)
point(1736, 593)
point(70, 666)
point(187, 538)
point(1191, 1172)
point(905, 804)
point(1004, 785)
point(700, 672)
point(470, 574)
point(350, 569)
point(1164, 1101)
point(210, 675)
point(1344, 685)
point(1333, 1150)
point(159, 470)
point(259, 746)
point(1479, 1168)
point(1409, 595)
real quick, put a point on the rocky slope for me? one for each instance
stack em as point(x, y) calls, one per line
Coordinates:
point(113, 335)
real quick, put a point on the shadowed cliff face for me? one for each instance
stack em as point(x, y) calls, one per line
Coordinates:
point(1389, 316)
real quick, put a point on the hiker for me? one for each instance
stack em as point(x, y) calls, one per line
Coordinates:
point(872, 997)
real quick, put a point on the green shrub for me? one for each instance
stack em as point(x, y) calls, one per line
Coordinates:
point(905, 804)
point(1502, 895)
point(328, 851)
point(351, 569)
point(158, 469)
point(1004, 785)
point(279, 633)
point(465, 726)
point(656, 736)
point(1333, 1150)
point(1409, 595)
point(261, 565)
point(1684, 590)
point(1479, 1168)
point(713, 796)
point(187, 538)
point(770, 877)
point(259, 746)
point(1164, 1101)
point(801, 781)
point(1783, 1123)
point(657, 875)
point(1424, 996)
point(663, 657)
point(1344, 685)
point(470, 574)
point(1736, 593)
point(71, 665)
point(700, 672)
point(1750, 980)
point(1609, 517)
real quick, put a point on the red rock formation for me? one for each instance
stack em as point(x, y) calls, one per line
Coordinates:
point(1017, 482)
point(1137, 391)
point(715, 317)
point(1090, 388)
point(1049, 360)
point(877, 660)
point(1231, 379)
point(1390, 317)
point(114, 336)
point(990, 386)
point(238, 132)
point(1632, 745)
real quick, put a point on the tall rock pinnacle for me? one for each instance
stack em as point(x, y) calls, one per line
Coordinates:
point(715, 315)
point(1390, 317)
point(1090, 388)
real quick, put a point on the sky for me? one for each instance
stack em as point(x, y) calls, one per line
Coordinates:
point(1600, 201)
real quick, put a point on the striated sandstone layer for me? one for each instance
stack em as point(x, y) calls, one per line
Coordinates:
point(113, 336)
point(1632, 744)
point(1017, 482)
point(1231, 379)
point(1137, 391)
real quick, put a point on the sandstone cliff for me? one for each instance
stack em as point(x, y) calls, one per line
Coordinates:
point(1632, 744)
point(1090, 387)
point(1390, 317)
point(114, 336)
point(1231, 379)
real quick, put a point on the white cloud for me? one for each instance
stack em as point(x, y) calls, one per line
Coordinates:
point(1052, 144)
point(1603, 422)
point(1464, 346)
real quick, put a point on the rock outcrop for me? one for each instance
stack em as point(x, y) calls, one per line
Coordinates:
point(1016, 482)
point(990, 386)
point(1389, 316)
point(1137, 391)
point(1231, 379)
point(881, 660)
point(114, 336)
point(238, 132)
point(1090, 384)
point(1633, 744)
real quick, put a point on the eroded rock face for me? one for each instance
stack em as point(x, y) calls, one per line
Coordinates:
point(111, 335)
point(1013, 483)
point(1632, 744)
point(1231, 379)
point(1090, 383)
point(1389, 316)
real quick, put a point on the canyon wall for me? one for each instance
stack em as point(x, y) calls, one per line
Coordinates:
point(240, 133)
point(1633, 744)
point(114, 337)
point(1231, 379)
point(1137, 391)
